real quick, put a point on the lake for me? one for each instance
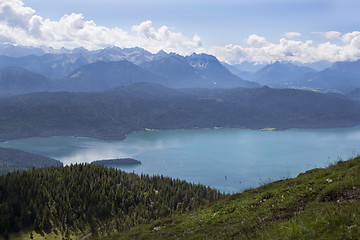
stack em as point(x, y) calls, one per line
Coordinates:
point(230, 160)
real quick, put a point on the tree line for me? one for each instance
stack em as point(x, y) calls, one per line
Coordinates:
point(87, 197)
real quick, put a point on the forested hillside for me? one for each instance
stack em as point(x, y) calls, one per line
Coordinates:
point(12, 159)
point(74, 201)
point(115, 113)
point(78, 199)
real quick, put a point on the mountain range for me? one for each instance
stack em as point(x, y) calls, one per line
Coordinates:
point(108, 68)
point(59, 65)
point(340, 77)
point(60, 68)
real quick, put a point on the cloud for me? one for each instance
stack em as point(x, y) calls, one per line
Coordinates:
point(292, 34)
point(19, 25)
point(329, 35)
point(14, 14)
point(291, 50)
point(256, 40)
point(164, 39)
point(350, 38)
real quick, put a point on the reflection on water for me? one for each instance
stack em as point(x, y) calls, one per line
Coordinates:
point(229, 160)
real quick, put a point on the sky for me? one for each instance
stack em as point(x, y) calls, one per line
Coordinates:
point(234, 31)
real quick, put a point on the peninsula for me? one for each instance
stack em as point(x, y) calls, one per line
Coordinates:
point(118, 161)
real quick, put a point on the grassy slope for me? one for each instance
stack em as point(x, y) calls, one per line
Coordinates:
point(319, 204)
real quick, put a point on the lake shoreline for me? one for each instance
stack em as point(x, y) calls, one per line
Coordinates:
point(229, 159)
point(5, 140)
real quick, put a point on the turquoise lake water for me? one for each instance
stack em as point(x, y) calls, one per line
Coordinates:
point(247, 158)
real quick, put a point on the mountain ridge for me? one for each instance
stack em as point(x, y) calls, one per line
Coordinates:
point(108, 68)
point(16, 160)
point(102, 75)
point(280, 74)
point(195, 71)
point(14, 80)
point(113, 114)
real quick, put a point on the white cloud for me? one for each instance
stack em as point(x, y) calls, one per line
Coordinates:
point(14, 14)
point(292, 34)
point(256, 40)
point(291, 50)
point(19, 25)
point(154, 40)
point(348, 38)
point(329, 35)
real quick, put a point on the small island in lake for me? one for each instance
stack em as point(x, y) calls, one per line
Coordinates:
point(267, 129)
point(119, 161)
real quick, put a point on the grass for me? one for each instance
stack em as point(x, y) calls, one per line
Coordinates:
point(318, 204)
point(36, 236)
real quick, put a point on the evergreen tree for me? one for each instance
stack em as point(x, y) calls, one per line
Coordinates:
point(82, 196)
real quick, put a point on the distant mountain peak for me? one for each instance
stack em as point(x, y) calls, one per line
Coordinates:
point(346, 66)
point(283, 63)
point(80, 49)
point(202, 56)
point(19, 51)
point(201, 61)
point(280, 74)
point(287, 65)
point(174, 58)
point(161, 53)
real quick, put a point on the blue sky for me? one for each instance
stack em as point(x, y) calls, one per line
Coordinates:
point(248, 27)
point(217, 22)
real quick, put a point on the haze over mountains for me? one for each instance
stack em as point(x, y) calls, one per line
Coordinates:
point(280, 75)
point(83, 70)
point(58, 65)
point(15, 80)
point(340, 77)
